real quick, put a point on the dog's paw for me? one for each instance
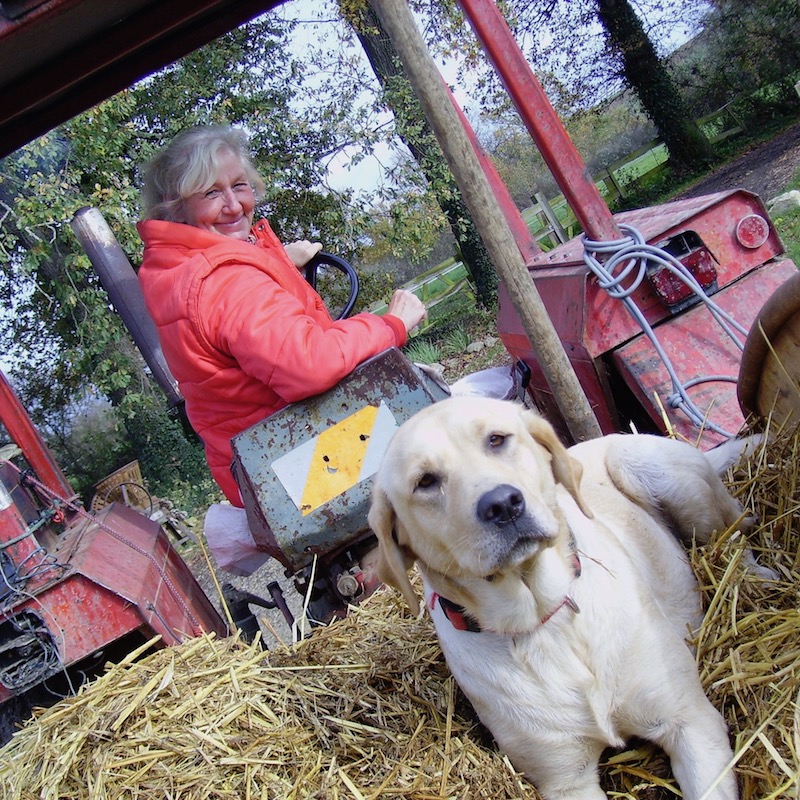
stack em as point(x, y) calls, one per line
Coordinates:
point(752, 567)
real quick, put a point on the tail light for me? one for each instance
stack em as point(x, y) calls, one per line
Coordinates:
point(697, 259)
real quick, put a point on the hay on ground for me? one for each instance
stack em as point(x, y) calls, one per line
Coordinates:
point(367, 709)
point(362, 709)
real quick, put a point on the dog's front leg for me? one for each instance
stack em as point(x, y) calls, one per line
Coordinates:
point(586, 787)
point(560, 767)
point(700, 755)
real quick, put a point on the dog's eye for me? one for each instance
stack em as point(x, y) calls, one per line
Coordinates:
point(497, 440)
point(427, 481)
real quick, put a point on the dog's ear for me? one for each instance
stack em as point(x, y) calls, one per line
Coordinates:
point(394, 561)
point(566, 470)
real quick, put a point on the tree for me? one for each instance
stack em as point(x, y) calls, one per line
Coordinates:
point(414, 130)
point(603, 136)
point(63, 337)
point(647, 75)
point(583, 50)
point(747, 47)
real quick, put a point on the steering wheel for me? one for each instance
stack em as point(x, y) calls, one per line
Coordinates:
point(328, 260)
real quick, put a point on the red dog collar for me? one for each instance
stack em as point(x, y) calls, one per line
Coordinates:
point(461, 621)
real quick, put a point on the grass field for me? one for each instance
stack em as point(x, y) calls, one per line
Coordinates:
point(788, 224)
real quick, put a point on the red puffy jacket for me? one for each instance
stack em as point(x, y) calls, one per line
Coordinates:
point(243, 333)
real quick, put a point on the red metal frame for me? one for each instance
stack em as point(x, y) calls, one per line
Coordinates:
point(541, 119)
point(22, 431)
point(64, 56)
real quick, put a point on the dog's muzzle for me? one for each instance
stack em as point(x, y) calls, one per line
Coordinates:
point(518, 534)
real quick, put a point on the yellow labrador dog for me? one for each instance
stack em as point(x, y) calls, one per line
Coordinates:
point(559, 589)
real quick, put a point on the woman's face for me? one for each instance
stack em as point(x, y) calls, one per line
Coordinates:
point(227, 207)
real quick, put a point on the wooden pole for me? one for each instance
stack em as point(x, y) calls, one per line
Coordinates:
point(492, 226)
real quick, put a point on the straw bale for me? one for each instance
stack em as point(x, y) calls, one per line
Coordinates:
point(366, 708)
point(363, 708)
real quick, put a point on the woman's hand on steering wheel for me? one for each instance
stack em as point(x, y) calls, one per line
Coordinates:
point(302, 251)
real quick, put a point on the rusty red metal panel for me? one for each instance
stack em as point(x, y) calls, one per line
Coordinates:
point(107, 577)
point(698, 347)
point(80, 617)
point(67, 55)
point(714, 219)
point(603, 322)
point(83, 616)
point(715, 215)
point(131, 556)
point(592, 324)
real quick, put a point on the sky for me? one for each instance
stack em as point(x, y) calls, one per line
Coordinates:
point(367, 174)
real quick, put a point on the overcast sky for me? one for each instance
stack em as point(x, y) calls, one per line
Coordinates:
point(368, 173)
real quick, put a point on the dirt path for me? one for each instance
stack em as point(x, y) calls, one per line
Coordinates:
point(765, 169)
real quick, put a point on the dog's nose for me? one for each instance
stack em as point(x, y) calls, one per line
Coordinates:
point(501, 505)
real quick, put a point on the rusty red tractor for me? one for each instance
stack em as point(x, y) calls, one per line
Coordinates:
point(654, 309)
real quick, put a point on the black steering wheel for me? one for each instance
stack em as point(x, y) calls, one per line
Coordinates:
point(328, 260)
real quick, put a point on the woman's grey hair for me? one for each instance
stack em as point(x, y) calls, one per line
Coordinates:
point(188, 165)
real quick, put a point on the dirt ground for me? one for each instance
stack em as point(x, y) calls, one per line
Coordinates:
point(274, 628)
point(765, 169)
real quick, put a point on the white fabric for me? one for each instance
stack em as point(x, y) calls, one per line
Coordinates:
point(229, 538)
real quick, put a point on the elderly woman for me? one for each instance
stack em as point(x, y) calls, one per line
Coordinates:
point(242, 331)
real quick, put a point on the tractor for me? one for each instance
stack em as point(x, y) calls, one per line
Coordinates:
point(652, 309)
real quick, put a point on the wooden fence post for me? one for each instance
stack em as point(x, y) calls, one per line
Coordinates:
point(552, 219)
point(492, 225)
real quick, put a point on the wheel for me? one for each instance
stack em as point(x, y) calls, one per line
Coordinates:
point(329, 260)
point(769, 373)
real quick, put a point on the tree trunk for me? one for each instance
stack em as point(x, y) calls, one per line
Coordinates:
point(645, 73)
point(415, 132)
